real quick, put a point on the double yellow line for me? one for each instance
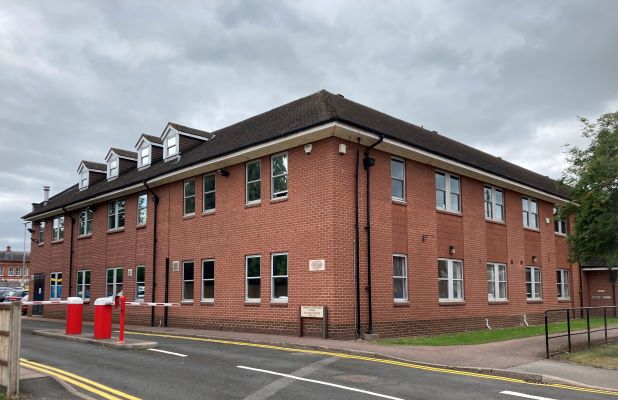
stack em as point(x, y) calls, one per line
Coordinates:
point(91, 386)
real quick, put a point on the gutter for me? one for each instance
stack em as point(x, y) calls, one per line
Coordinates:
point(155, 201)
point(70, 251)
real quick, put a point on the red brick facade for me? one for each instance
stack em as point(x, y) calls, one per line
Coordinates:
point(316, 221)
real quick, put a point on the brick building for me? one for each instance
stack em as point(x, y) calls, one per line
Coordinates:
point(395, 229)
point(14, 267)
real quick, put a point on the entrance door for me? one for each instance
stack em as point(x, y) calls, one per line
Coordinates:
point(38, 293)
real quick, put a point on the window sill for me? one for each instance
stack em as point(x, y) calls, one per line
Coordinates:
point(186, 302)
point(278, 303)
point(401, 303)
point(207, 302)
point(534, 301)
point(452, 302)
point(253, 302)
point(110, 231)
point(399, 202)
point(447, 212)
point(142, 226)
point(561, 235)
point(537, 230)
point(278, 199)
point(564, 300)
point(88, 236)
point(41, 244)
point(57, 241)
point(253, 204)
point(188, 216)
point(497, 302)
point(209, 212)
point(492, 221)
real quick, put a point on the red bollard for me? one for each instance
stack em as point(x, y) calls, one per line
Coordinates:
point(121, 300)
point(75, 307)
point(103, 318)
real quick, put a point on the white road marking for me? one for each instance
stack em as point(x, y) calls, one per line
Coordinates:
point(168, 352)
point(321, 383)
point(525, 396)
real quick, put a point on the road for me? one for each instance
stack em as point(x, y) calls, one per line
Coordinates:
point(193, 368)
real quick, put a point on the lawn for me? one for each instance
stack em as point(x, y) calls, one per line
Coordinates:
point(494, 335)
point(605, 356)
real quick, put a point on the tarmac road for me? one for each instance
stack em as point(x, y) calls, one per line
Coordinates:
point(191, 368)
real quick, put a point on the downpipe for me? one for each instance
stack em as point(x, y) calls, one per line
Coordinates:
point(70, 250)
point(155, 200)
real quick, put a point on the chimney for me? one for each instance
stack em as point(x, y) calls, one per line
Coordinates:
point(8, 249)
point(45, 195)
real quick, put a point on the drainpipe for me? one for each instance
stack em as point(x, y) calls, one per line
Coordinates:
point(613, 276)
point(70, 251)
point(357, 245)
point(155, 201)
point(369, 162)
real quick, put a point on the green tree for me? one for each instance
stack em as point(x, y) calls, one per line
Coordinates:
point(592, 179)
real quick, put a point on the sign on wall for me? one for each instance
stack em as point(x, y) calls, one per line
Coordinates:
point(312, 312)
point(317, 265)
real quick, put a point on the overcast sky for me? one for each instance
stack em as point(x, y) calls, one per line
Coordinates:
point(76, 78)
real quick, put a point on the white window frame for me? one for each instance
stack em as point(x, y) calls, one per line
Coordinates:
point(113, 209)
point(184, 281)
point(11, 271)
point(450, 279)
point(144, 156)
point(139, 208)
point(84, 223)
point(138, 283)
point(41, 232)
point(53, 282)
point(401, 277)
point(527, 213)
point(282, 194)
point(213, 192)
point(563, 283)
point(560, 225)
point(447, 191)
point(208, 299)
point(1, 270)
point(174, 146)
point(257, 162)
point(398, 179)
point(58, 229)
point(534, 296)
point(247, 278)
point(495, 282)
point(84, 287)
point(185, 197)
point(17, 271)
point(114, 281)
point(282, 299)
point(493, 204)
point(84, 178)
point(112, 168)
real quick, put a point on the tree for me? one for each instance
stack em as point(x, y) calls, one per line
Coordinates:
point(592, 180)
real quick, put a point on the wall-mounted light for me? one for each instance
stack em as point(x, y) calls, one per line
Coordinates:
point(223, 172)
point(547, 220)
point(342, 148)
point(451, 249)
point(534, 259)
point(308, 148)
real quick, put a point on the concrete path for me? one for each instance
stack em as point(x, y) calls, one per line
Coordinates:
point(599, 377)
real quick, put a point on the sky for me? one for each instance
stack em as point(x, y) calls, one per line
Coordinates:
point(78, 77)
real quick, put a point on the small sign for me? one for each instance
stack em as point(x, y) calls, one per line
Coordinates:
point(317, 265)
point(601, 291)
point(176, 266)
point(312, 311)
point(130, 272)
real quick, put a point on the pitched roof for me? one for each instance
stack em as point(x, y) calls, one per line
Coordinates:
point(191, 131)
point(317, 109)
point(152, 138)
point(13, 255)
point(124, 153)
point(91, 165)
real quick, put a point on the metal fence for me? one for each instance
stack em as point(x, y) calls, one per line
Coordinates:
point(578, 314)
point(10, 336)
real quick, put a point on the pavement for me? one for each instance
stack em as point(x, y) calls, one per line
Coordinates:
point(521, 358)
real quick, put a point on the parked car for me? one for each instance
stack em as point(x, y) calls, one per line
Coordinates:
point(3, 292)
point(15, 295)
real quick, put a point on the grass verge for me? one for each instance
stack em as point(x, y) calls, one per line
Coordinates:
point(604, 356)
point(494, 335)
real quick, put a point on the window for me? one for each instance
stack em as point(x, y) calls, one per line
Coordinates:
point(55, 280)
point(142, 205)
point(533, 283)
point(450, 280)
point(208, 280)
point(188, 280)
point(494, 203)
point(83, 284)
point(115, 214)
point(114, 282)
point(398, 179)
point(83, 179)
point(209, 193)
point(279, 174)
point(279, 272)
point(17, 271)
point(189, 202)
point(560, 225)
point(254, 181)
point(112, 168)
point(562, 280)
point(85, 221)
point(144, 156)
point(496, 282)
point(41, 231)
point(400, 278)
point(58, 229)
point(1, 271)
point(11, 271)
point(253, 286)
point(25, 271)
point(530, 213)
point(140, 282)
point(447, 192)
point(171, 146)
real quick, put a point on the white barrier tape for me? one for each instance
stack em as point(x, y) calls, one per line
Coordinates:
point(138, 303)
point(36, 303)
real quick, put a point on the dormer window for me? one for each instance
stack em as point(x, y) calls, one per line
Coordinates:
point(90, 173)
point(112, 168)
point(171, 146)
point(83, 179)
point(144, 156)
